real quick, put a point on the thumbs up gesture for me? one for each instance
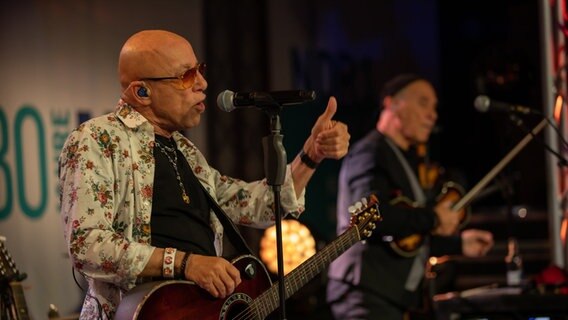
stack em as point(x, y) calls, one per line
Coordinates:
point(329, 138)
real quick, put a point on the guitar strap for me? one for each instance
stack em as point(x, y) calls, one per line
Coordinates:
point(417, 269)
point(230, 229)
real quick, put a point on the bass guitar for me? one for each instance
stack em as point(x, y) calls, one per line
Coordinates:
point(409, 246)
point(255, 297)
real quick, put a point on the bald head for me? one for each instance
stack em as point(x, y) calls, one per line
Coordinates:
point(152, 53)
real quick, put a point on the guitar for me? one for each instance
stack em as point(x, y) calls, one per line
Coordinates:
point(410, 245)
point(255, 297)
point(13, 304)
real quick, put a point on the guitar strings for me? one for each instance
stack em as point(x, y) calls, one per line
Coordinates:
point(249, 313)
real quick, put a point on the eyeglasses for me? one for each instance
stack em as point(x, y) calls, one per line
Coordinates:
point(187, 78)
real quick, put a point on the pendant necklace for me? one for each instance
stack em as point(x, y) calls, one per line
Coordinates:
point(166, 150)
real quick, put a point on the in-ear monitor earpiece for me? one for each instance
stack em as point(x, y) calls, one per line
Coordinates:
point(142, 92)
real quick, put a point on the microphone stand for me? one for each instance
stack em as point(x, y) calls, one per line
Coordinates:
point(275, 171)
point(562, 162)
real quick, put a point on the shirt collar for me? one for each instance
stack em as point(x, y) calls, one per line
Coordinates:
point(128, 115)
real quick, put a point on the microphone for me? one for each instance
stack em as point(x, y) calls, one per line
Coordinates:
point(229, 100)
point(484, 104)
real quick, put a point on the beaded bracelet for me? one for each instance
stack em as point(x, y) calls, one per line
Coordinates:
point(168, 263)
point(183, 265)
point(309, 162)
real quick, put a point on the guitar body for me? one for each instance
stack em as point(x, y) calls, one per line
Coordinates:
point(177, 299)
point(255, 297)
point(452, 191)
point(409, 245)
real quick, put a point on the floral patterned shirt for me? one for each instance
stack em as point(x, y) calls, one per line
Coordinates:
point(106, 180)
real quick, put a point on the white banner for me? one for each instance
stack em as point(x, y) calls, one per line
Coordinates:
point(58, 63)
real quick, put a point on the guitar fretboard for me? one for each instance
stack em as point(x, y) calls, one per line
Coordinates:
point(268, 301)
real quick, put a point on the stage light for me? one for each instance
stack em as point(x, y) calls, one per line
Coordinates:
point(298, 245)
point(558, 106)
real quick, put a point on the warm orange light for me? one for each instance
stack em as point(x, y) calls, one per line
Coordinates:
point(563, 230)
point(438, 260)
point(298, 245)
point(558, 107)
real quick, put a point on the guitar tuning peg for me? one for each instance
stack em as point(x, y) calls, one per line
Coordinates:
point(364, 201)
point(358, 205)
point(352, 210)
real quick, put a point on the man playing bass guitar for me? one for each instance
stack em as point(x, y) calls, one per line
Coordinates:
point(371, 280)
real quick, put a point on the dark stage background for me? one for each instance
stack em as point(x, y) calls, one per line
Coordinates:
point(485, 47)
point(349, 49)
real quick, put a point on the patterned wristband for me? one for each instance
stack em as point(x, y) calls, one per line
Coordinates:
point(168, 263)
point(307, 160)
point(183, 265)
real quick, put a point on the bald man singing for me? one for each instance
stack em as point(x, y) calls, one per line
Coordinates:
point(137, 196)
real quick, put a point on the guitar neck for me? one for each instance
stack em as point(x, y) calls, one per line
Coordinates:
point(20, 306)
point(268, 301)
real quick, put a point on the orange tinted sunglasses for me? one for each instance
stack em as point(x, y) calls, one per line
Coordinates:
point(187, 78)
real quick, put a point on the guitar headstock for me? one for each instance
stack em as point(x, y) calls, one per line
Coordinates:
point(8, 270)
point(364, 214)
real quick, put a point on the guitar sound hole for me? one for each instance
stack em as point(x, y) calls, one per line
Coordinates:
point(237, 307)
